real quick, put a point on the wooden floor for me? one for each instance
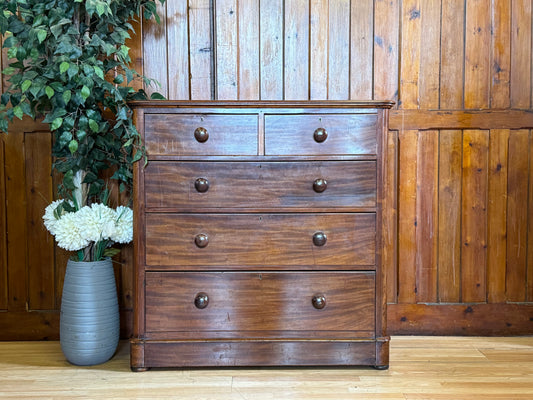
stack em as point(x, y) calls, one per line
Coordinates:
point(421, 368)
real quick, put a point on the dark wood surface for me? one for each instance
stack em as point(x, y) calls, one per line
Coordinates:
point(263, 301)
point(280, 247)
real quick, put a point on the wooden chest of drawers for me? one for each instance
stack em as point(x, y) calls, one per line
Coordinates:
point(258, 234)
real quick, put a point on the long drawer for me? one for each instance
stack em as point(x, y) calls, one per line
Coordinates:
point(268, 241)
point(261, 301)
point(290, 185)
point(321, 134)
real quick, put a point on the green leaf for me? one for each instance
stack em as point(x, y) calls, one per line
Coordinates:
point(67, 95)
point(85, 92)
point(73, 146)
point(99, 72)
point(63, 67)
point(41, 35)
point(56, 123)
point(49, 91)
point(25, 85)
point(111, 252)
point(17, 111)
point(157, 96)
point(93, 125)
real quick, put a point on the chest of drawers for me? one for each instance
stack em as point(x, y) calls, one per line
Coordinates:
point(258, 234)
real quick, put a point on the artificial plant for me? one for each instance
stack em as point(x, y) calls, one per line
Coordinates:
point(69, 64)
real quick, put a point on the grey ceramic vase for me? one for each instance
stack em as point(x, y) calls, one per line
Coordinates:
point(89, 322)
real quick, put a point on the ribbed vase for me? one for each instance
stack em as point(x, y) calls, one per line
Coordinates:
point(89, 323)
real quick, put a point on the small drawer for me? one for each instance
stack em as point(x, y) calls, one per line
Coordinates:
point(312, 304)
point(260, 241)
point(321, 134)
point(288, 185)
point(200, 134)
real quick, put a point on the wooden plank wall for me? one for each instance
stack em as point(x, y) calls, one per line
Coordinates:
point(460, 140)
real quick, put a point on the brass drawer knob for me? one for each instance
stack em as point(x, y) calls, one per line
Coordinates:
point(201, 134)
point(320, 239)
point(319, 185)
point(201, 300)
point(201, 240)
point(201, 185)
point(320, 135)
point(319, 301)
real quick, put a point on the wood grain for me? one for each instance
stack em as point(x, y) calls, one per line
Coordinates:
point(319, 49)
point(361, 50)
point(201, 50)
point(155, 41)
point(273, 241)
point(517, 215)
point(261, 301)
point(178, 50)
point(408, 145)
point(477, 55)
point(474, 216)
point(386, 49)
point(3, 231)
point(339, 50)
point(296, 50)
point(253, 185)
point(497, 215)
point(248, 40)
point(521, 54)
point(452, 54)
point(271, 49)
point(501, 54)
point(449, 216)
point(226, 55)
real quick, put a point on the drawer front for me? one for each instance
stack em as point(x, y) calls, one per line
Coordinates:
point(276, 241)
point(289, 185)
point(260, 301)
point(321, 134)
point(202, 134)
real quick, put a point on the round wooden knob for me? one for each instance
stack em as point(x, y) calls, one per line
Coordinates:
point(320, 135)
point(201, 134)
point(201, 300)
point(319, 301)
point(319, 185)
point(320, 239)
point(201, 240)
point(201, 185)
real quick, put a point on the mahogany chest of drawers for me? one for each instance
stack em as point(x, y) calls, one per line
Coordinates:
point(258, 234)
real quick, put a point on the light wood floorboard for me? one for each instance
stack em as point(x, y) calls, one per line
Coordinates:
point(420, 368)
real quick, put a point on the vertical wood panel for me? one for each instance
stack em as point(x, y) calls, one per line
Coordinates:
point(361, 51)
point(474, 216)
point(501, 54)
point(497, 215)
point(339, 50)
point(178, 50)
point(155, 50)
point(390, 218)
point(449, 239)
point(521, 54)
point(319, 41)
point(410, 50)
point(226, 49)
point(201, 49)
point(408, 146)
point(296, 61)
point(16, 220)
point(3, 229)
point(477, 54)
point(430, 12)
point(530, 224)
point(248, 39)
point(38, 179)
point(271, 49)
point(386, 57)
point(452, 54)
point(427, 217)
point(517, 210)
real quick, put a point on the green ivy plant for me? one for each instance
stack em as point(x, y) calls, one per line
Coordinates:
point(70, 66)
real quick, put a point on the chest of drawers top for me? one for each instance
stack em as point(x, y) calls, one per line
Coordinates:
point(233, 130)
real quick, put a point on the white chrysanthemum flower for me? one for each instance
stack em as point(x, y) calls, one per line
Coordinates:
point(123, 226)
point(68, 233)
point(50, 218)
point(96, 222)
